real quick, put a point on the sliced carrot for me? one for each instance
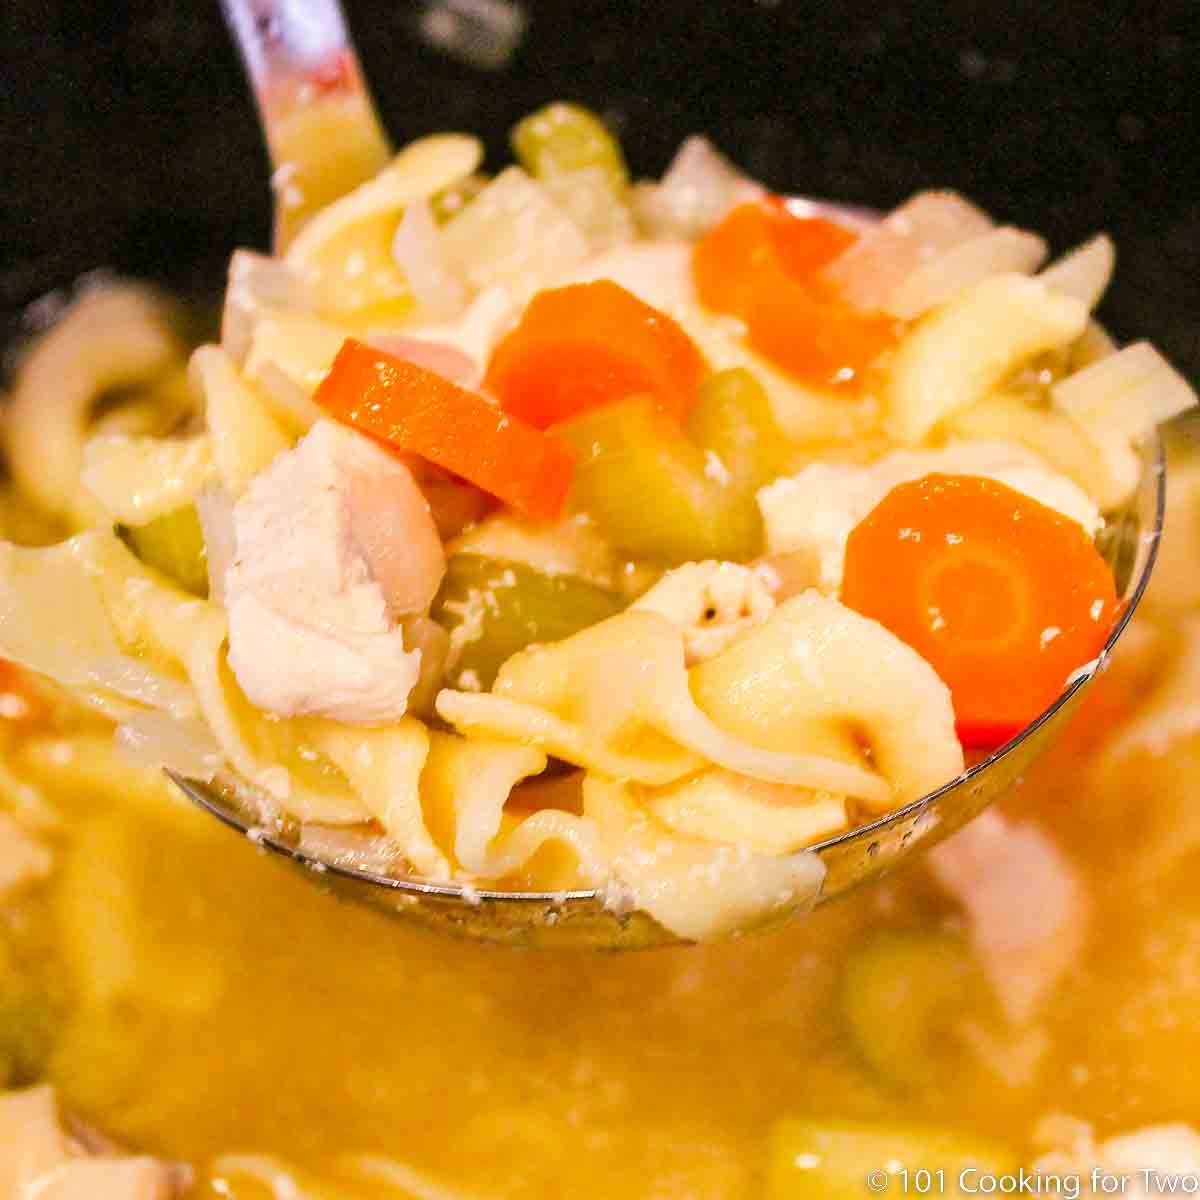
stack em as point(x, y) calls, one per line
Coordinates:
point(20, 704)
point(415, 411)
point(823, 341)
point(589, 344)
point(762, 264)
point(804, 244)
point(1003, 596)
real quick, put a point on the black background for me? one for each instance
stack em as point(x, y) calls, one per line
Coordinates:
point(127, 137)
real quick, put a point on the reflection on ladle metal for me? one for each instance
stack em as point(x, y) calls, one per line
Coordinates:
point(283, 42)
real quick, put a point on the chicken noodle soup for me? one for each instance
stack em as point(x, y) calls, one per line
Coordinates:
point(578, 535)
point(1024, 995)
point(601, 654)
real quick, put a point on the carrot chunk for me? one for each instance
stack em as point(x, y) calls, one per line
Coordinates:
point(761, 264)
point(1003, 596)
point(416, 411)
point(588, 344)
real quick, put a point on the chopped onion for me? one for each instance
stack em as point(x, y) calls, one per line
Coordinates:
point(134, 680)
point(1116, 402)
point(440, 357)
point(258, 282)
point(158, 740)
point(417, 251)
point(940, 279)
point(1125, 394)
point(700, 186)
point(1083, 272)
point(927, 225)
point(512, 234)
point(215, 508)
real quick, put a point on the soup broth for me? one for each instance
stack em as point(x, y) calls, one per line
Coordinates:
point(213, 1001)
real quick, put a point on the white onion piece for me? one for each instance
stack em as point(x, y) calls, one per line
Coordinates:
point(927, 225)
point(936, 282)
point(258, 282)
point(417, 251)
point(1083, 272)
point(439, 357)
point(700, 186)
point(134, 680)
point(1117, 401)
point(215, 508)
point(1126, 394)
point(158, 740)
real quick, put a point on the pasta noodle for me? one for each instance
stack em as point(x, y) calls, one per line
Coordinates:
point(245, 437)
point(960, 352)
point(819, 677)
point(675, 878)
point(616, 698)
point(109, 338)
point(135, 479)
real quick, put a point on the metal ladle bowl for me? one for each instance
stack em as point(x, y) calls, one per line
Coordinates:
point(583, 918)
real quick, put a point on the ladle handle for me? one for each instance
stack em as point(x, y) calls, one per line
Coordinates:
point(320, 124)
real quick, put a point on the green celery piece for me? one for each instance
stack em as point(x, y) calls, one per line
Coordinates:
point(512, 605)
point(449, 202)
point(848, 1160)
point(571, 154)
point(562, 138)
point(174, 545)
point(732, 418)
point(648, 489)
point(898, 990)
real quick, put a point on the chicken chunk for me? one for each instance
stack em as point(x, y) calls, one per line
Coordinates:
point(1027, 907)
point(334, 545)
point(38, 1160)
point(712, 603)
point(815, 510)
point(1146, 1159)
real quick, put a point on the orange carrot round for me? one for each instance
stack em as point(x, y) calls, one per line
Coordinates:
point(589, 344)
point(762, 264)
point(1003, 596)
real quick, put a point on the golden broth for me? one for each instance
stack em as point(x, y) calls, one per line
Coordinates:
point(222, 1003)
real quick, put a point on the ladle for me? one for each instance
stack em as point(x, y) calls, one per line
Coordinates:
point(297, 54)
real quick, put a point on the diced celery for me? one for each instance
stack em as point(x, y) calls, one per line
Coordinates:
point(566, 137)
point(493, 608)
point(451, 201)
point(570, 151)
point(848, 1160)
point(654, 493)
point(733, 420)
point(174, 545)
point(898, 990)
